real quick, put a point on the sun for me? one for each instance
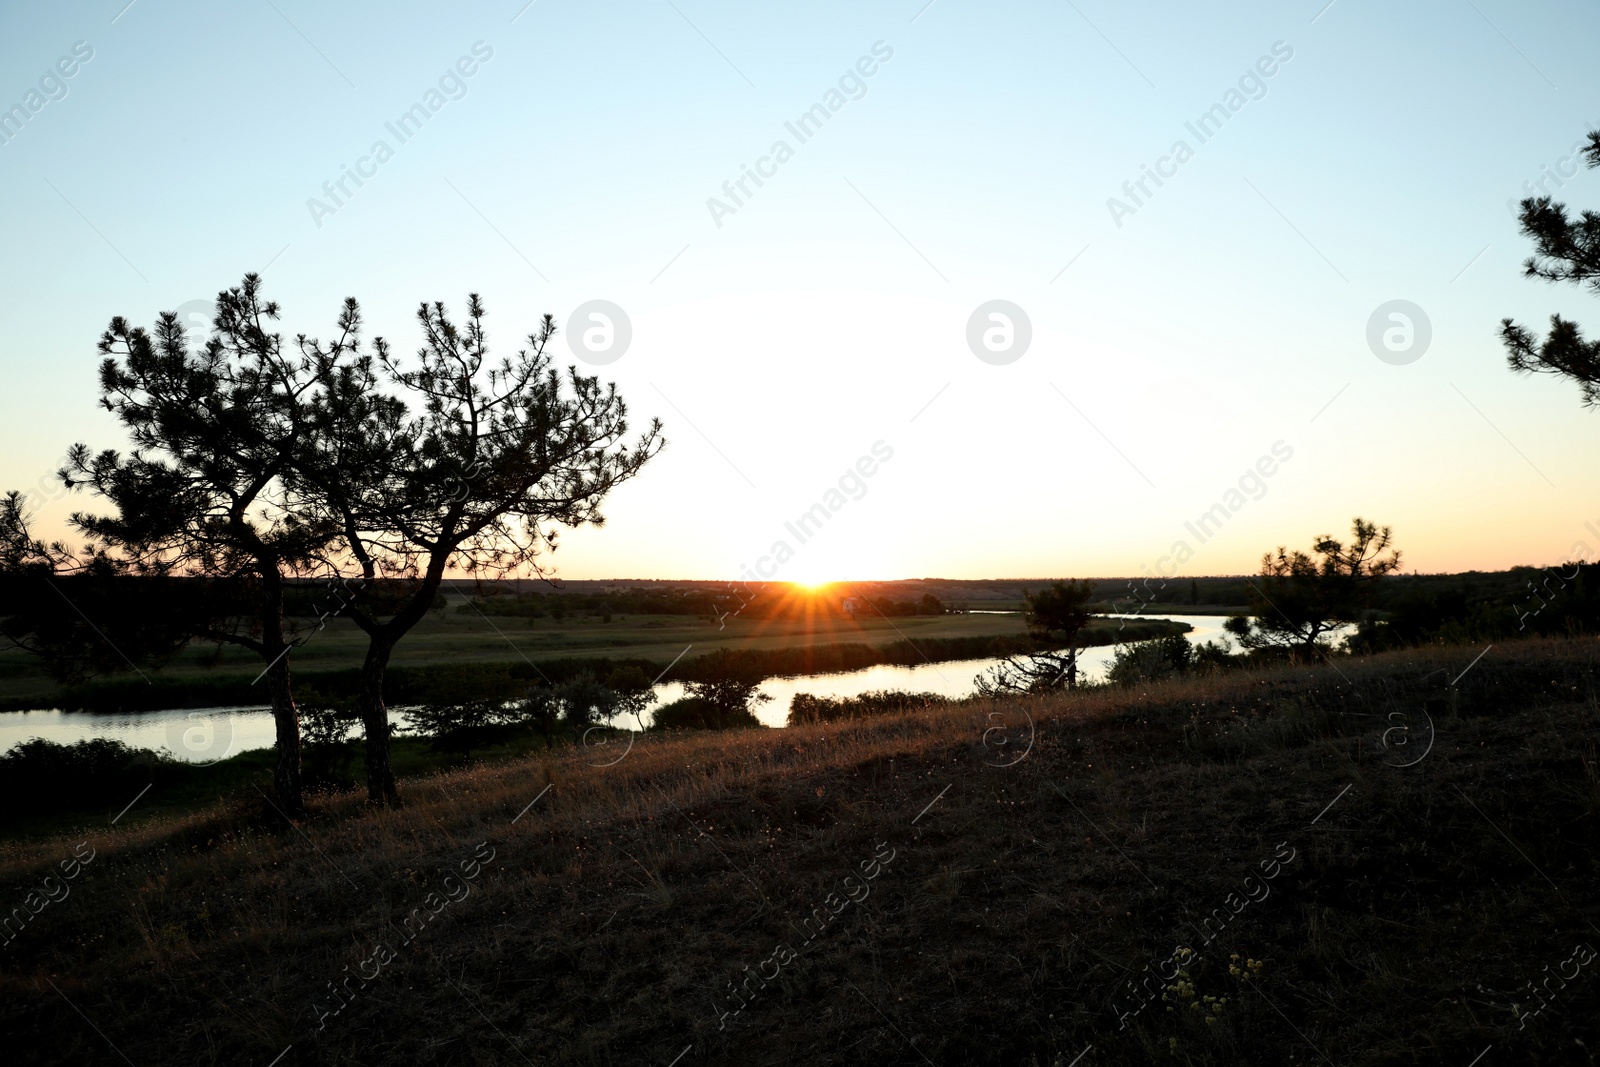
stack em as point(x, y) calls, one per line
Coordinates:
point(810, 580)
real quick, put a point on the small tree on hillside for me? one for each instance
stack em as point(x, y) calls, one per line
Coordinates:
point(1055, 617)
point(1565, 250)
point(585, 701)
point(1299, 598)
point(727, 684)
point(498, 455)
point(215, 433)
point(1150, 661)
point(635, 692)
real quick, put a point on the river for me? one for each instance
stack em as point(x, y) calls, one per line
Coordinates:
point(206, 735)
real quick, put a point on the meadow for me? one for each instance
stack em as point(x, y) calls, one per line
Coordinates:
point(449, 644)
point(1374, 860)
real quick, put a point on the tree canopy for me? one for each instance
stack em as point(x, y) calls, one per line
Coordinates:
point(1300, 598)
point(1055, 616)
point(1566, 249)
point(469, 463)
point(207, 490)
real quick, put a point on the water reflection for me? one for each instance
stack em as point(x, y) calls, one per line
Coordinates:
point(204, 735)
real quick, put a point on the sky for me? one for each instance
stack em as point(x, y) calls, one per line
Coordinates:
point(821, 342)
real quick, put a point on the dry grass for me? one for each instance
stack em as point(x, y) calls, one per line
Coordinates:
point(619, 907)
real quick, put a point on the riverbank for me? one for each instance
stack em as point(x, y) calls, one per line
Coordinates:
point(981, 884)
point(422, 679)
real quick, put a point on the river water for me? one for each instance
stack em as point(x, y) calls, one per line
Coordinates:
point(206, 735)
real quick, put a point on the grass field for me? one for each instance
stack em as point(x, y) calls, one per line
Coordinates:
point(979, 884)
point(448, 649)
point(449, 637)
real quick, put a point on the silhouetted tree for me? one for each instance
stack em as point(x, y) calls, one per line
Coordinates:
point(215, 434)
point(1565, 250)
point(464, 726)
point(635, 692)
point(478, 478)
point(1055, 616)
point(585, 701)
point(1300, 598)
point(725, 693)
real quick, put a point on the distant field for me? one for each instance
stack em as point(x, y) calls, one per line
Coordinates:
point(453, 652)
point(454, 638)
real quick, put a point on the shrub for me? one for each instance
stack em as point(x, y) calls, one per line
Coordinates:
point(698, 713)
point(805, 708)
point(729, 684)
point(1150, 661)
point(585, 701)
point(326, 728)
point(465, 726)
point(43, 776)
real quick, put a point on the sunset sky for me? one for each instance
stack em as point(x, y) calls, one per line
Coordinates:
point(1186, 340)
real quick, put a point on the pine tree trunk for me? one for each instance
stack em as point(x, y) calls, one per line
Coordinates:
point(286, 722)
point(375, 722)
point(285, 719)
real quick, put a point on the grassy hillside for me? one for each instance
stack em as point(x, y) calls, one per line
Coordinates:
point(974, 884)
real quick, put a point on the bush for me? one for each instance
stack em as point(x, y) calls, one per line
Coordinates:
point(1213, 656)
point(698, 713)
point(729, 684)
point(805, 708)
point(40, 776)
point(465, 726)
point(1150, 661)
point(327, 745)
point(585, 701)
point(539, 710)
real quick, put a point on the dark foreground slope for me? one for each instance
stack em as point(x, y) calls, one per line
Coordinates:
point(954, 887)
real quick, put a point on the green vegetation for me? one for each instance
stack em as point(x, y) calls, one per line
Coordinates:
point(1057, 617)
point(770, 601)
point(1300, 598)
point(805, 708)
point(1565, 250)
point(257, 462)
point(704, 713)
point(1168, 657)
point(451, 656)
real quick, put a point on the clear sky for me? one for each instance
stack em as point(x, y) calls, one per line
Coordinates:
point(966, 153)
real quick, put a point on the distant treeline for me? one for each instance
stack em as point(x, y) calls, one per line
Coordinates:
point(1111, 595)
point(1462, 594)
point(328, 597)
point(310, 598)
point(738, 599)
point(1523, 602)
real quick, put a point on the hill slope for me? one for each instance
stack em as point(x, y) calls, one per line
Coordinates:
point(979, 884)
